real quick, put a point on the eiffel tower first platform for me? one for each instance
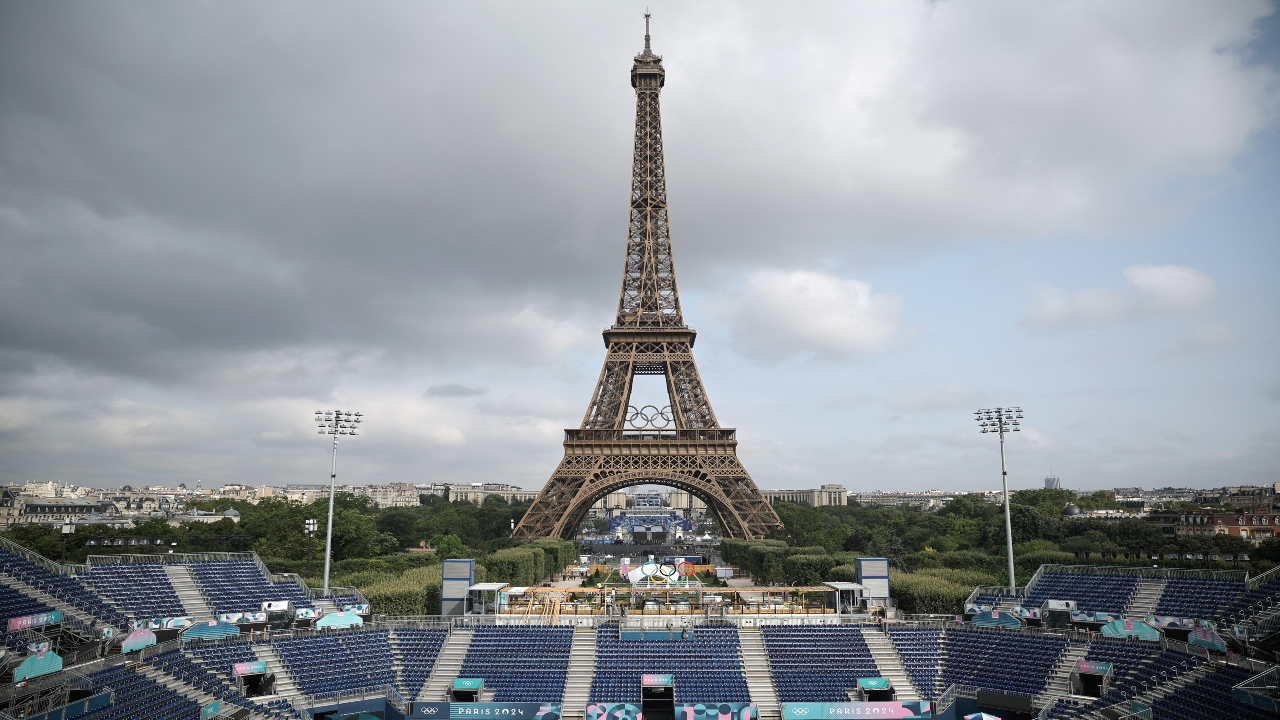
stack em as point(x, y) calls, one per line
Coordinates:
point(681, 445)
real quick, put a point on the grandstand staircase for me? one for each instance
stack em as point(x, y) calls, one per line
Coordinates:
point(189, 692)
point(188, 592)
point(1165, 689)
point(1059, 683)
point(325, 604)
point(448, 664)
point(47, 599)
point(582, 668)
point(1145, 598)
point(755, 668)
point(285, 686)
point(890, 664)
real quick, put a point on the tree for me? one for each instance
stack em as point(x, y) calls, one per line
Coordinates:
point(448, 547)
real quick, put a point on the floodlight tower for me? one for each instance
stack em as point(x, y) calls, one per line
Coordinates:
point(1000, 421)
point(335, 423)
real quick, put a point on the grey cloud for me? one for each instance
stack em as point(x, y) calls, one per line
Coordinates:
point(454, 390)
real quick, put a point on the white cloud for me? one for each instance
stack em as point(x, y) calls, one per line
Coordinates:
point(800, 312)
point(1170, 287)
point(1152, 289)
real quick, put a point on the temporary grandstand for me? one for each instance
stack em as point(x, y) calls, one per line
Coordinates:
point(123, 635)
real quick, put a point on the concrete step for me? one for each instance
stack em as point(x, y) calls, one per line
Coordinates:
point(755, 668)
point(189, 592)
point(890, 664)
point(286, 686)
point(1145, 598)
point(581, 671)
point(447, 666)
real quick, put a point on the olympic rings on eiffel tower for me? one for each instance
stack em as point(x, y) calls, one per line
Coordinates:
point(649, 416)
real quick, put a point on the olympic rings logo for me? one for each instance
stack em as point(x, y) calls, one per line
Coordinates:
point(649, 416)
point(800, 711)
point(666, 570)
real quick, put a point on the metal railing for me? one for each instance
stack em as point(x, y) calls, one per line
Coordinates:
point(33, 557)
point(176, 558)
point(1262, 579)
point(1241, 575)
point(691, 435)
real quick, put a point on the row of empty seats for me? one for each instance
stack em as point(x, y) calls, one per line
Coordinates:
point(140, 588)
point(1001, 661)
point(1200, 598)
point(1093, 593)
point(919, 649)
point(1251, 603)
point(817, 662)
point(66, 588)
point(239, 586)
point(138, 697)
point(1209, 699)
point(14, 603)
point(337, 662)
point(416, 651)
point(707, 666)
point(521, 664)
point(1136, 667)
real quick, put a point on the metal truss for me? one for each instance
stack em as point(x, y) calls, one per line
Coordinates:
point(649, 338)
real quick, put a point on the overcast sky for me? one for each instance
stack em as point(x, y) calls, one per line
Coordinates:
point(216, 218)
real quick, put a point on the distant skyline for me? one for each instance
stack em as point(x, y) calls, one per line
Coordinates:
point(216, 218)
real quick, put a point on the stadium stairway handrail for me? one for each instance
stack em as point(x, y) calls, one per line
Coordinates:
point(34, 557)
point(1258, 581)
point(176, 558)
point(392, 695)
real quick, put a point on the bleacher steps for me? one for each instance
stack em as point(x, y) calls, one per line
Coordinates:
point(1059, 683)
point(47, 599)
point(755, 668)
point(448, 663)
point(890, 663)
point(1165, 689)
point(285, 687)
point(188, 592)
point(325, 604)
point(189, 692)
point(1145, 598)
point(582, 668)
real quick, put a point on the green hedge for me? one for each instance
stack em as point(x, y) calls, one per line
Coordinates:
point(807, 570)
point(917, 593)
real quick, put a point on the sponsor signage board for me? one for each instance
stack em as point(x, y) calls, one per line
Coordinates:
point(650, 680)
point(1090, 667)
point(841, 710)
point(37, 620)
point(467, 683)
point(250, 668)
point(457, 711)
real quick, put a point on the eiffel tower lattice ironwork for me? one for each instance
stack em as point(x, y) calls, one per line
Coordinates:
point(681, 445)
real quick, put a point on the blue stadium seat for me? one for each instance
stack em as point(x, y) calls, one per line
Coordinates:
point(521, 664)
point(707, 666)
point(814, 663)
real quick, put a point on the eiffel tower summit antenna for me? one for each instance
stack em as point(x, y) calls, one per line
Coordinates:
point(680, 445)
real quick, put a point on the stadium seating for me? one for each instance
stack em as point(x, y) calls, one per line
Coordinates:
point(64, 587)
point(138, 697)
point(522, 664)
point(814, 663)
point(140, 588)
point(416, 650)
point(1000, 660)
point(1199, 598)
point(1209, 699)
point(337, 662)
point(919, 649)
point(1094, 593)
point(16, 604)
point(1251, 603)
point(216, 659)
point(239, 586)
point(1135, 667)
point(995, 599)
point(707, 666)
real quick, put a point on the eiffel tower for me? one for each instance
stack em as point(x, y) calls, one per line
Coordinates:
point(681, 445)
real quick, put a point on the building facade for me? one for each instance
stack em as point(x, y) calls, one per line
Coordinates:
point(824, 496)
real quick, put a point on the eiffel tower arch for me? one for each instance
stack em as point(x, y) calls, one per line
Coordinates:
point(681, 445)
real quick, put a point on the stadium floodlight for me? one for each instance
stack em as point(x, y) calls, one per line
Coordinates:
point(311, 533)
point(335, 423)
point(1000, 421)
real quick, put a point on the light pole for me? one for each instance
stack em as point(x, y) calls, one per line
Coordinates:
point(67, 529)
point(311, 533)
point(1003, 420)
point(335, 423)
